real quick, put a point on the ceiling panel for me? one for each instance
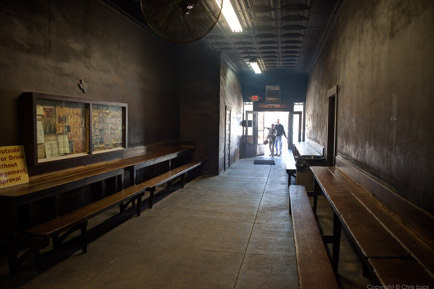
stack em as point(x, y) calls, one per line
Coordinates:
point(282, 34)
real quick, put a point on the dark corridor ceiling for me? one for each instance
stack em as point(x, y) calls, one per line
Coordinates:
point(283, 35)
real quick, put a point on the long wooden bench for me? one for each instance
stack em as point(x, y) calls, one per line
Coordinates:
point(393, 237)
point(55, 184)
point(169, 177)
point(70, 222)
point(313, 264)
point(77, 219)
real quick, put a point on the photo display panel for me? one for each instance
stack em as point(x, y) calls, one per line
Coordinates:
point(61, 128)
point(107, 127)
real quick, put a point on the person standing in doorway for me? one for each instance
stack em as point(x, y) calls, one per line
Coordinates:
point(280, 130)
point(271, 139)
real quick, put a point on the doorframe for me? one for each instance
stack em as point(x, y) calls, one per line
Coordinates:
point(250, 144)
point(332, 97)
point(303, 136)
point(299, 137)
point(227, 144)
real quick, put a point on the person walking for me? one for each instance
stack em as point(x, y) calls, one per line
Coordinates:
point(280, 130)
point(271, 139)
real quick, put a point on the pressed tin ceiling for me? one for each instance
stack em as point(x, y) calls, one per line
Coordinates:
point(283, 35)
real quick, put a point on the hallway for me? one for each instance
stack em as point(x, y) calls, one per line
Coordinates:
point(229, 231)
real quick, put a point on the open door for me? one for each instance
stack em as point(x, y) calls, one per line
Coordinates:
point(251, 134)
point(261, 134)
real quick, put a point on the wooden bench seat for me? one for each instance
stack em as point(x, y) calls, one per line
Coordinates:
point(77, 219)
point(309, 150)
point(313, 263)
point(393, 251)
point(168, 177)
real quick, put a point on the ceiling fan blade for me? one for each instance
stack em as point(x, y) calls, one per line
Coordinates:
point(181, 21)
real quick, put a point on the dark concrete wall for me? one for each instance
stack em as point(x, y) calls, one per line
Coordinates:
point(199, 90)
point(231, 96)
point(380, 53)
point(292, 86)
point(48, 46)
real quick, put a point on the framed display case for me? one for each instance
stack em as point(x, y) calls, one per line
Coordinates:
point(64, 127)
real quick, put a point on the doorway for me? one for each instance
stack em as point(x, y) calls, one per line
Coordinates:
point(298, 123)
point(250, 134)
point(268, 118)
point(296, 126)
point(331, 126)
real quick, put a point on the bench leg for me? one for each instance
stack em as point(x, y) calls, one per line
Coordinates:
point(183, 180)
point(33, 246)
point(151, 197)
point(123, 206)
point(83, 228)
point(56, 242)
point(131, 180)
point(38, 263)
point(121, 182)
point(365, 272)
point(139, 205)
point(289, 202)
point(289, 199)
point(337, 226)
point(316, 191)
point(12, 257)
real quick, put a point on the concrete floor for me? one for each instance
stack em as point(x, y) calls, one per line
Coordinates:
point(230, 231)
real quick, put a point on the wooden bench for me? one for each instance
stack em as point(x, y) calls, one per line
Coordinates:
point(77, 219)
point(55, 184)
point(168, 178)
point(70, 222)
point(308, 153)
point(309, 150)
point(313, 264)
point(392, 236)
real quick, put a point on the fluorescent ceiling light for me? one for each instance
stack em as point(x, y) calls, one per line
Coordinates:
point(255, 67)
point(230, 16)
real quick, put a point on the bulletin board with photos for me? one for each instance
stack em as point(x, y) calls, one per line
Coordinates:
point(70, 127)
point(107, 122)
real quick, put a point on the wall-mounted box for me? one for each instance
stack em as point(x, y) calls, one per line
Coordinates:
point(272, 94)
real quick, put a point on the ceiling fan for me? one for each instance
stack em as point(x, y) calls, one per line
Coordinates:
point(181, 21)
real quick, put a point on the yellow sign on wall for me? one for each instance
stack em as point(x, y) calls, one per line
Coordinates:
point(13, 168)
